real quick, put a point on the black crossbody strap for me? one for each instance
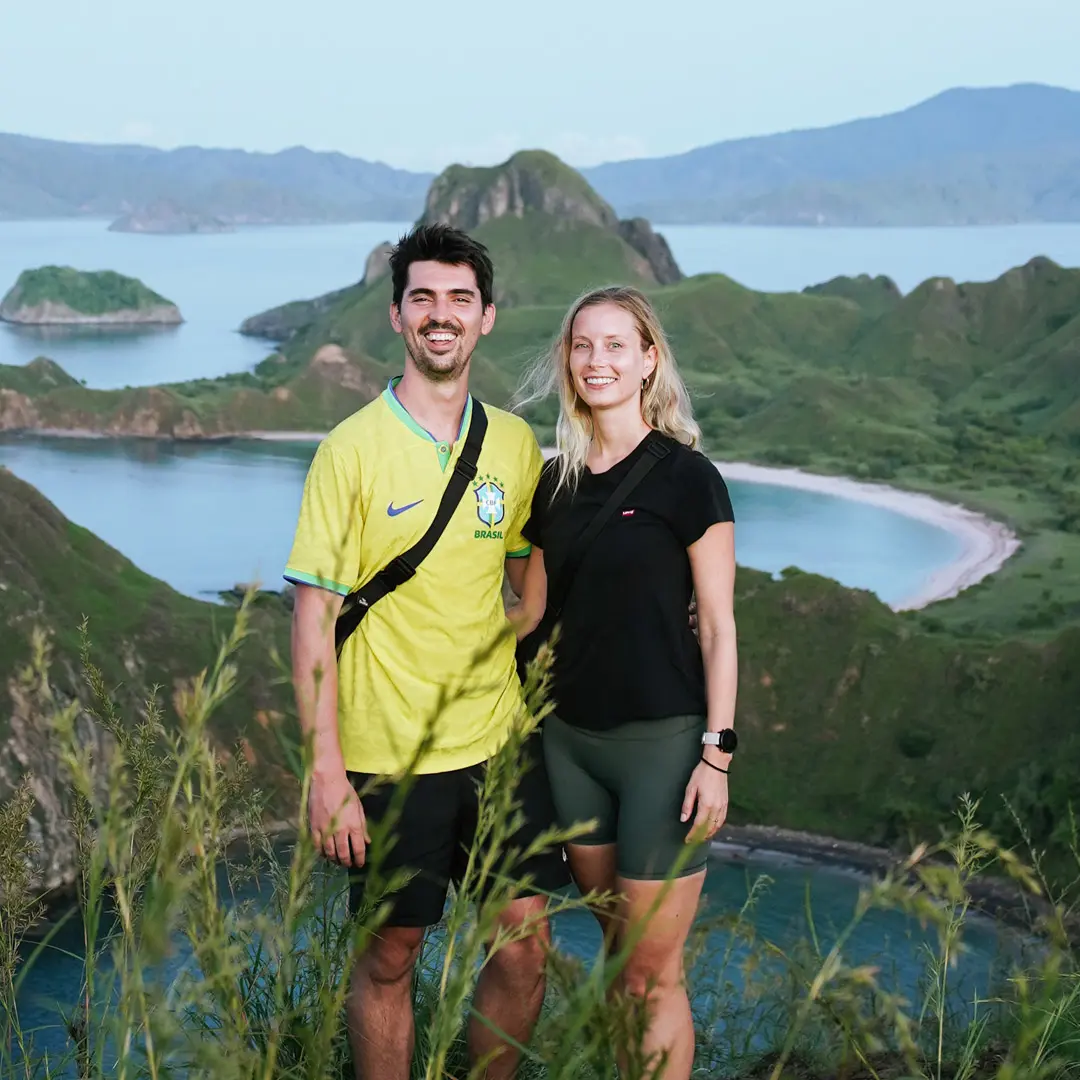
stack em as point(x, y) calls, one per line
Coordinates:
point(655, 451)
point(357, 604)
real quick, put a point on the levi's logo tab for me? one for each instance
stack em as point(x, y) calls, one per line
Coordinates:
point(628, 513)
point(393, 511)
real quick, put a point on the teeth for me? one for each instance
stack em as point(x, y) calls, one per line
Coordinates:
point(441, 337)
point(598, 380)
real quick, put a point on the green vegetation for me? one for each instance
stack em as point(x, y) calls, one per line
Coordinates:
point(266, 946)
point(898, 720)
point(967, 391)
point(98, 293)
point(53, 575)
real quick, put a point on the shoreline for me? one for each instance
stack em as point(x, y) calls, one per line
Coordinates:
point(987, 544)
point(997, 898)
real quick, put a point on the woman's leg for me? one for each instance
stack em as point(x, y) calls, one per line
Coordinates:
point(654, 760)
point(654, 920)
point(579, 796)
point(593, 867)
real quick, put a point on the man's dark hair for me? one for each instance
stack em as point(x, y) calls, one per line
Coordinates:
point(444, 244)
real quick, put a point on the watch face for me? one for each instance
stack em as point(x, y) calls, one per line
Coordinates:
point(728, 741)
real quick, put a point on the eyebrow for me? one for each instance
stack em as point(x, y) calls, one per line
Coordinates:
point(421, 291)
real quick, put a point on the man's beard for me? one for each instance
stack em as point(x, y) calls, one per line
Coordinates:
point(445, 367)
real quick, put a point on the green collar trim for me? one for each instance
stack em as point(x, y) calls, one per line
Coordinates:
point(444, 450)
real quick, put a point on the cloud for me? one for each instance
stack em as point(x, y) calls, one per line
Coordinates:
point(136, 131)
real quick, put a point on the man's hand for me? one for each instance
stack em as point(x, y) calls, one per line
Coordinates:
point(336, 819)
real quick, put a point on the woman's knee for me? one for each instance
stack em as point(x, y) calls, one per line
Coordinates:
point(653, 969)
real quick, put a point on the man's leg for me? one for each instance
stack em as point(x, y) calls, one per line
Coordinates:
point(380, 1002)
point(380, 1005)
point(510, 991)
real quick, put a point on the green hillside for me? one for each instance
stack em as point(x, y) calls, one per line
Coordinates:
point(53, 574)
point(967, 391)
point(898, 722)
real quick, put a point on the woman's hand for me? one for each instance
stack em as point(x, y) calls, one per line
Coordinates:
point(708, 791)
point(531, 586)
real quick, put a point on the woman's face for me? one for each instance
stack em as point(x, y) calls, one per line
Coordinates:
point(607, 360)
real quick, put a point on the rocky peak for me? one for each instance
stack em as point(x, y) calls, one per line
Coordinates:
point(532, 180)
point(639, 234)
point(378, 263)
point(536, 182)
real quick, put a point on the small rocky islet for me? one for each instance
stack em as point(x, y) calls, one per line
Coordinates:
point(64, 296)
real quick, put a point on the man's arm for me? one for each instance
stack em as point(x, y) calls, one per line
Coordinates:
point(335, 816)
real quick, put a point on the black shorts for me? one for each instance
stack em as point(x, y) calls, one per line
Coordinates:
point(436, 830)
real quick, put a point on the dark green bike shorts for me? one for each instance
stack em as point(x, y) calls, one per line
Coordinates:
point(632, 780)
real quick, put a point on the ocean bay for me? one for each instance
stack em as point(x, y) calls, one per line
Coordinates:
point(204, 517)
point(219, 280)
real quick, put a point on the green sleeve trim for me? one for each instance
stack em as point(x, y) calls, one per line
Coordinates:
point(520, 553)
point(300, 578)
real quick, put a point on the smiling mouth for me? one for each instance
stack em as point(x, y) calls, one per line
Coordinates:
point(599, 380)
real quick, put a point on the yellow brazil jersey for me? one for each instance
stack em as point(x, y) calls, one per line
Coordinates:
point(436, 655)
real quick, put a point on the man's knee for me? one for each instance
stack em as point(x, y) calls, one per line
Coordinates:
point(525, 954)
point(391, 955)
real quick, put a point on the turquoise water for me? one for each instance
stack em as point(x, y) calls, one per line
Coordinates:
point(886, 939)
point(208, 517)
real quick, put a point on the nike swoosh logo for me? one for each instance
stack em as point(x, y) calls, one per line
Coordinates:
point(393, 510)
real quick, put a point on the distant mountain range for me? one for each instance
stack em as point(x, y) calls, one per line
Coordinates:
point(964, 157)
point(41, 178)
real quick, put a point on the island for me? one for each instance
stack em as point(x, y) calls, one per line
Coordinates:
point(961, 391)
point(166, 218)
point(63, 296)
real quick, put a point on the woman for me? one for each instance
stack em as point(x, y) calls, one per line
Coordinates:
point(633, 691)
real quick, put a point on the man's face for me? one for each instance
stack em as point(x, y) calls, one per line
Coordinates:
point(441, 318)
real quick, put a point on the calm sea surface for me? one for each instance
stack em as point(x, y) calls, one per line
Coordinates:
point(218, 281)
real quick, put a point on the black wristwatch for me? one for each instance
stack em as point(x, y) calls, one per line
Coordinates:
point(725, 740)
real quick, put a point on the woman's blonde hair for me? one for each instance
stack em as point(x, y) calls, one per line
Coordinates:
point(665, 403)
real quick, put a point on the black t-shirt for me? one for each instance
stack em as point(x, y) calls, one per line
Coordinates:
point(626, 651)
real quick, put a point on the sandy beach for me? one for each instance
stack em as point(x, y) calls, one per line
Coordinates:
point(987, 544)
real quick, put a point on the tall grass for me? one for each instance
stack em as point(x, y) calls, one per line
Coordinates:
point(203, 960)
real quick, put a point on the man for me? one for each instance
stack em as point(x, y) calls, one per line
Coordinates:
point(437, 646)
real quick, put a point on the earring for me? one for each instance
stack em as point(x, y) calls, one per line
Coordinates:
point(645, 382)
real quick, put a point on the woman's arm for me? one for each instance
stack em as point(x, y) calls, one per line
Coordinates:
point(712, 563)
point(526, 614)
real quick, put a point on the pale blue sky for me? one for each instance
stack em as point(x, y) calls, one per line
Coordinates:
point(420, 84)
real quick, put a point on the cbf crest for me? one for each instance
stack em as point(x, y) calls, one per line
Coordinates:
point(490, 506)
